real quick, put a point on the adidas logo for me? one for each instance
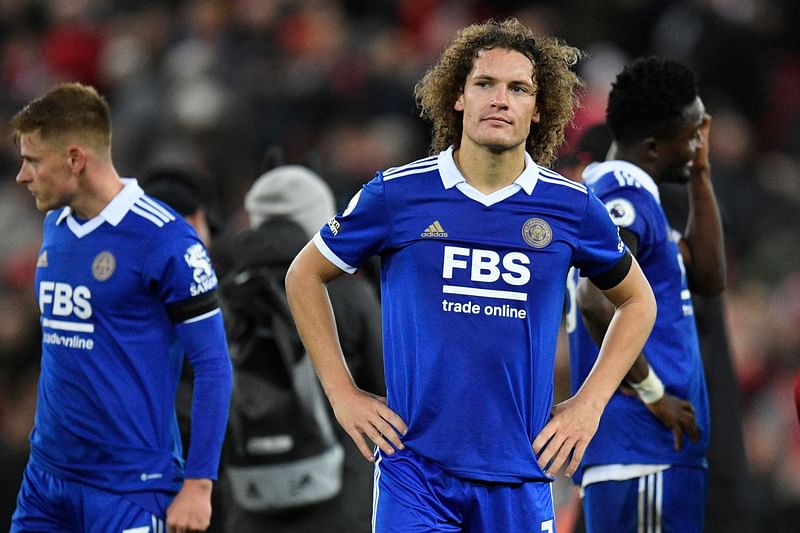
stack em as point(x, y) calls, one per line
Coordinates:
point(42, 261)
point(434, 230)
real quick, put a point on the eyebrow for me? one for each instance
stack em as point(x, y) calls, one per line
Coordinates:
point(486, 77)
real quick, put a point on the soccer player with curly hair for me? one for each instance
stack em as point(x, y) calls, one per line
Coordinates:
point(475, 242)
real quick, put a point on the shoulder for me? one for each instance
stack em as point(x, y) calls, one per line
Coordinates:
point(149, 212)
point(160, 230)
point(156, 222)
point(629, 193)
point(552, 179)
point(611, 177)
point(415, 168)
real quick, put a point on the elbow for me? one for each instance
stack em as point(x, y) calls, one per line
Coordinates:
point(650, 308)
point(292, 282)
point(290, 279)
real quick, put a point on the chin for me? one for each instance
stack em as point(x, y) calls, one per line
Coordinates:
point(680, 176)
point(498, 146)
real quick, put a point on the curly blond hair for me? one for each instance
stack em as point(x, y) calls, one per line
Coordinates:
point(558, 87)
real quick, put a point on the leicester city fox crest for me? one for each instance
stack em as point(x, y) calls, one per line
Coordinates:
point(103, 265)
point(537, 233)
point(203, 275)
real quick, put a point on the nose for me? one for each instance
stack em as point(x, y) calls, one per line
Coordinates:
point(698, 141)
point(23, 176)
point(500, 96)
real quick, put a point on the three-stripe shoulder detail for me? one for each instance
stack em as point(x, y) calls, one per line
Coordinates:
point(150, 210)
point(417, 167)
point(557, 179)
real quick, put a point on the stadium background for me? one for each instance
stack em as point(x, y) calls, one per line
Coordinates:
point(214, 85)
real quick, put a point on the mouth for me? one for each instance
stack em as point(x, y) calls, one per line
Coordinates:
point(496, 120)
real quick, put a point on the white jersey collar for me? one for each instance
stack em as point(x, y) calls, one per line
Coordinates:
point(594, 171)
point(113, 213)
point(451, 175)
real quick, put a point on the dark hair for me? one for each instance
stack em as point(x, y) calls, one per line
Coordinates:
point(557, 91)
point(68, 111)
point(648, 99)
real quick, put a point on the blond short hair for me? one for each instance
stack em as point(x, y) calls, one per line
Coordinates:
point(70, 112)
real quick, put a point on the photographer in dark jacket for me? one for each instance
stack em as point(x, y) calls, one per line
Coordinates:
point(292, 195)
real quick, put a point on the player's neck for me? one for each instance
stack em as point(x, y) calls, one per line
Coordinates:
point(96, 190)
point(489, 171)
point(633, 156)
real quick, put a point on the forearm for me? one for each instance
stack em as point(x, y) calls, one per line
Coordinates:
point(597, 312)
point(206, 349)
point(626, 334)
point(703, 236)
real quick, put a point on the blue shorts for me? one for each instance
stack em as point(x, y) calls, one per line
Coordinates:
point(670, 501)
point(49, 503)
point(414, 495)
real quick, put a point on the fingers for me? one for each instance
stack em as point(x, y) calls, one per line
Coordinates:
point(542, 439)
point(362, 446)
point(394, 419)
point(550, 449)
point(562, 457)
point(689, 422)
point(557, 452)
point(577, 456)
point(692, 429)
point(545, 455)
point(685, 423)
point(678, 433)
point(384, 437)
point(381, 426)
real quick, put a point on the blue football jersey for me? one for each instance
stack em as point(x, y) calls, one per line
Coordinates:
point(628, 432)
point(579, 337)
point(111, 291)
point(472, 290)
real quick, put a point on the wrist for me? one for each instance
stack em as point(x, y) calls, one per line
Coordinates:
point(650, 389)
point(199, 484)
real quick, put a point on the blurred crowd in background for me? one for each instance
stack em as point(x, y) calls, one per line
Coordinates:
point(220, 86)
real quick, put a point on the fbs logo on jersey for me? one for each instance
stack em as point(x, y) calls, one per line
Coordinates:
point(622, 212)
point(203, 275)
point(434, 230)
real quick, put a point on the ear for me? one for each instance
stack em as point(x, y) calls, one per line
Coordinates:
point(537, 116)
point(76, 158)
point(459, 105)
point(649, 147)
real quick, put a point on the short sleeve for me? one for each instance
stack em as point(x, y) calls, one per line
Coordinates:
point(599, 247)
point(360, 231)
point(179, 269)
point(633, 209)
